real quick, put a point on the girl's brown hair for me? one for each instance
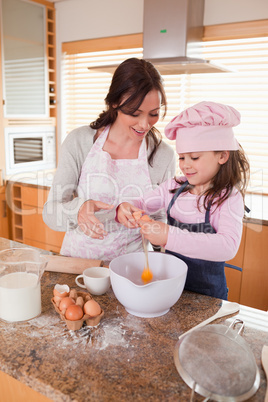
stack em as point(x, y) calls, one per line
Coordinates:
point(233, 173)
point(133, 79)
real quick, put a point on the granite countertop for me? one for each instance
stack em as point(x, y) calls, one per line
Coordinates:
point(125, 358)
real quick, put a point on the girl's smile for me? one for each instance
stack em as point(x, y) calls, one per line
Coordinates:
point(200, 168)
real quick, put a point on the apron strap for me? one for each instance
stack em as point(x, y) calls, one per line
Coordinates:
point(178, 192)
point(207, 213)
point(233, 266)
point(247, 209)
point(175, 196)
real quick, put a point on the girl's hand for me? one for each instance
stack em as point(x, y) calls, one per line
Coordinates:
point(124, 215)
point(156, 232)
point(88, 222)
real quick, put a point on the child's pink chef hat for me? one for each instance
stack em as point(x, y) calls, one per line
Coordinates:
point(206, 126)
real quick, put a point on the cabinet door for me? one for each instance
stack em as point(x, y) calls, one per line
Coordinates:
point(4, 227)
point(33, 196)
point(234, 277)
point(254, 288)
point(35, 230)
point(34, 227)
point(24, 62)
point(14, 390)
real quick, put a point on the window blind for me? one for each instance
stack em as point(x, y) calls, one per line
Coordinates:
point(24, 87)
point(245, 87)
point(84, 90)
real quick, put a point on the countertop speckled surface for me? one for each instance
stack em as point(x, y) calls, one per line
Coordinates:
point(125, 358)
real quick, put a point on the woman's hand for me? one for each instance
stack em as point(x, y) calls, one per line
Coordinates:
point(124, 215)
point(156, 232)
point(87, 220)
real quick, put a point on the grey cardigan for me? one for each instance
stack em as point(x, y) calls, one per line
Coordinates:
point(61, 209)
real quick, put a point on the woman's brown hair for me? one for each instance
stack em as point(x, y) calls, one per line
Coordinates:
point(133, 78)
point(232, 174)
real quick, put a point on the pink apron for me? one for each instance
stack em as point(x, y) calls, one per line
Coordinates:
point(111, 181)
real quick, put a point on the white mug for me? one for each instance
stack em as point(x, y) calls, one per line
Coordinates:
point(96, 280)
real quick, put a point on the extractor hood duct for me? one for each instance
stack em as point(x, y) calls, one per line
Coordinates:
point(172, 36)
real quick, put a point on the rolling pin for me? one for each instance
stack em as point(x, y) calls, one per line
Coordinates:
point(71, 265)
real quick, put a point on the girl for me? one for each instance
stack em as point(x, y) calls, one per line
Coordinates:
point(204, 207)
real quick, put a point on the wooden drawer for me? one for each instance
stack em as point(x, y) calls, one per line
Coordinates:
point(35, 229)
point(34, 196)
point(43, 246)
point(53, 239)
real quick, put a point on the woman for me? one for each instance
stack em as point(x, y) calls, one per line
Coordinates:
point(119, 157)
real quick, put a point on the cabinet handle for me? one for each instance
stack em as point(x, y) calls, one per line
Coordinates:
point(4, 209)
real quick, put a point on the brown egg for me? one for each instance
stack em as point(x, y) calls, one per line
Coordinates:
point(88, 297)
point(61, 291)
point(73, 294)
point(66, 302)
point(145, 218)
point(57, 300)
point(137, 215)
point(92, 308)
point(74, 313)
point(80, 301)
point(140, 218)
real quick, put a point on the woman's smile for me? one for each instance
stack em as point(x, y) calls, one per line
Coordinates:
point(135, 126)
point(140, 133)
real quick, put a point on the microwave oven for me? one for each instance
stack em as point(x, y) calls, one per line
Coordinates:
point(30, 149)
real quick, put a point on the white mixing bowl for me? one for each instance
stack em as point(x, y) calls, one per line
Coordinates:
point(155, 298)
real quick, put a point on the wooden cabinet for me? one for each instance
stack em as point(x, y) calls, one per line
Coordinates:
point(13, 390)
point(233, 276)
point(254, 285)
point(51, 54)
point(27, 115)
point(29, 59)
point(27, 222)
point(250, 287)
point(4, 216)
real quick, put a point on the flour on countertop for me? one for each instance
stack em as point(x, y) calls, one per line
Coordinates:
point(110, 331)
point(44, 320)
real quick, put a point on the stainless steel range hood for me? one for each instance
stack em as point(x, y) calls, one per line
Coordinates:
point(172, 36)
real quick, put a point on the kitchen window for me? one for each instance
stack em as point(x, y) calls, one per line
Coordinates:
point(245, 88)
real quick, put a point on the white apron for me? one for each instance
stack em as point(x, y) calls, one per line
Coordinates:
point(111, 181)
